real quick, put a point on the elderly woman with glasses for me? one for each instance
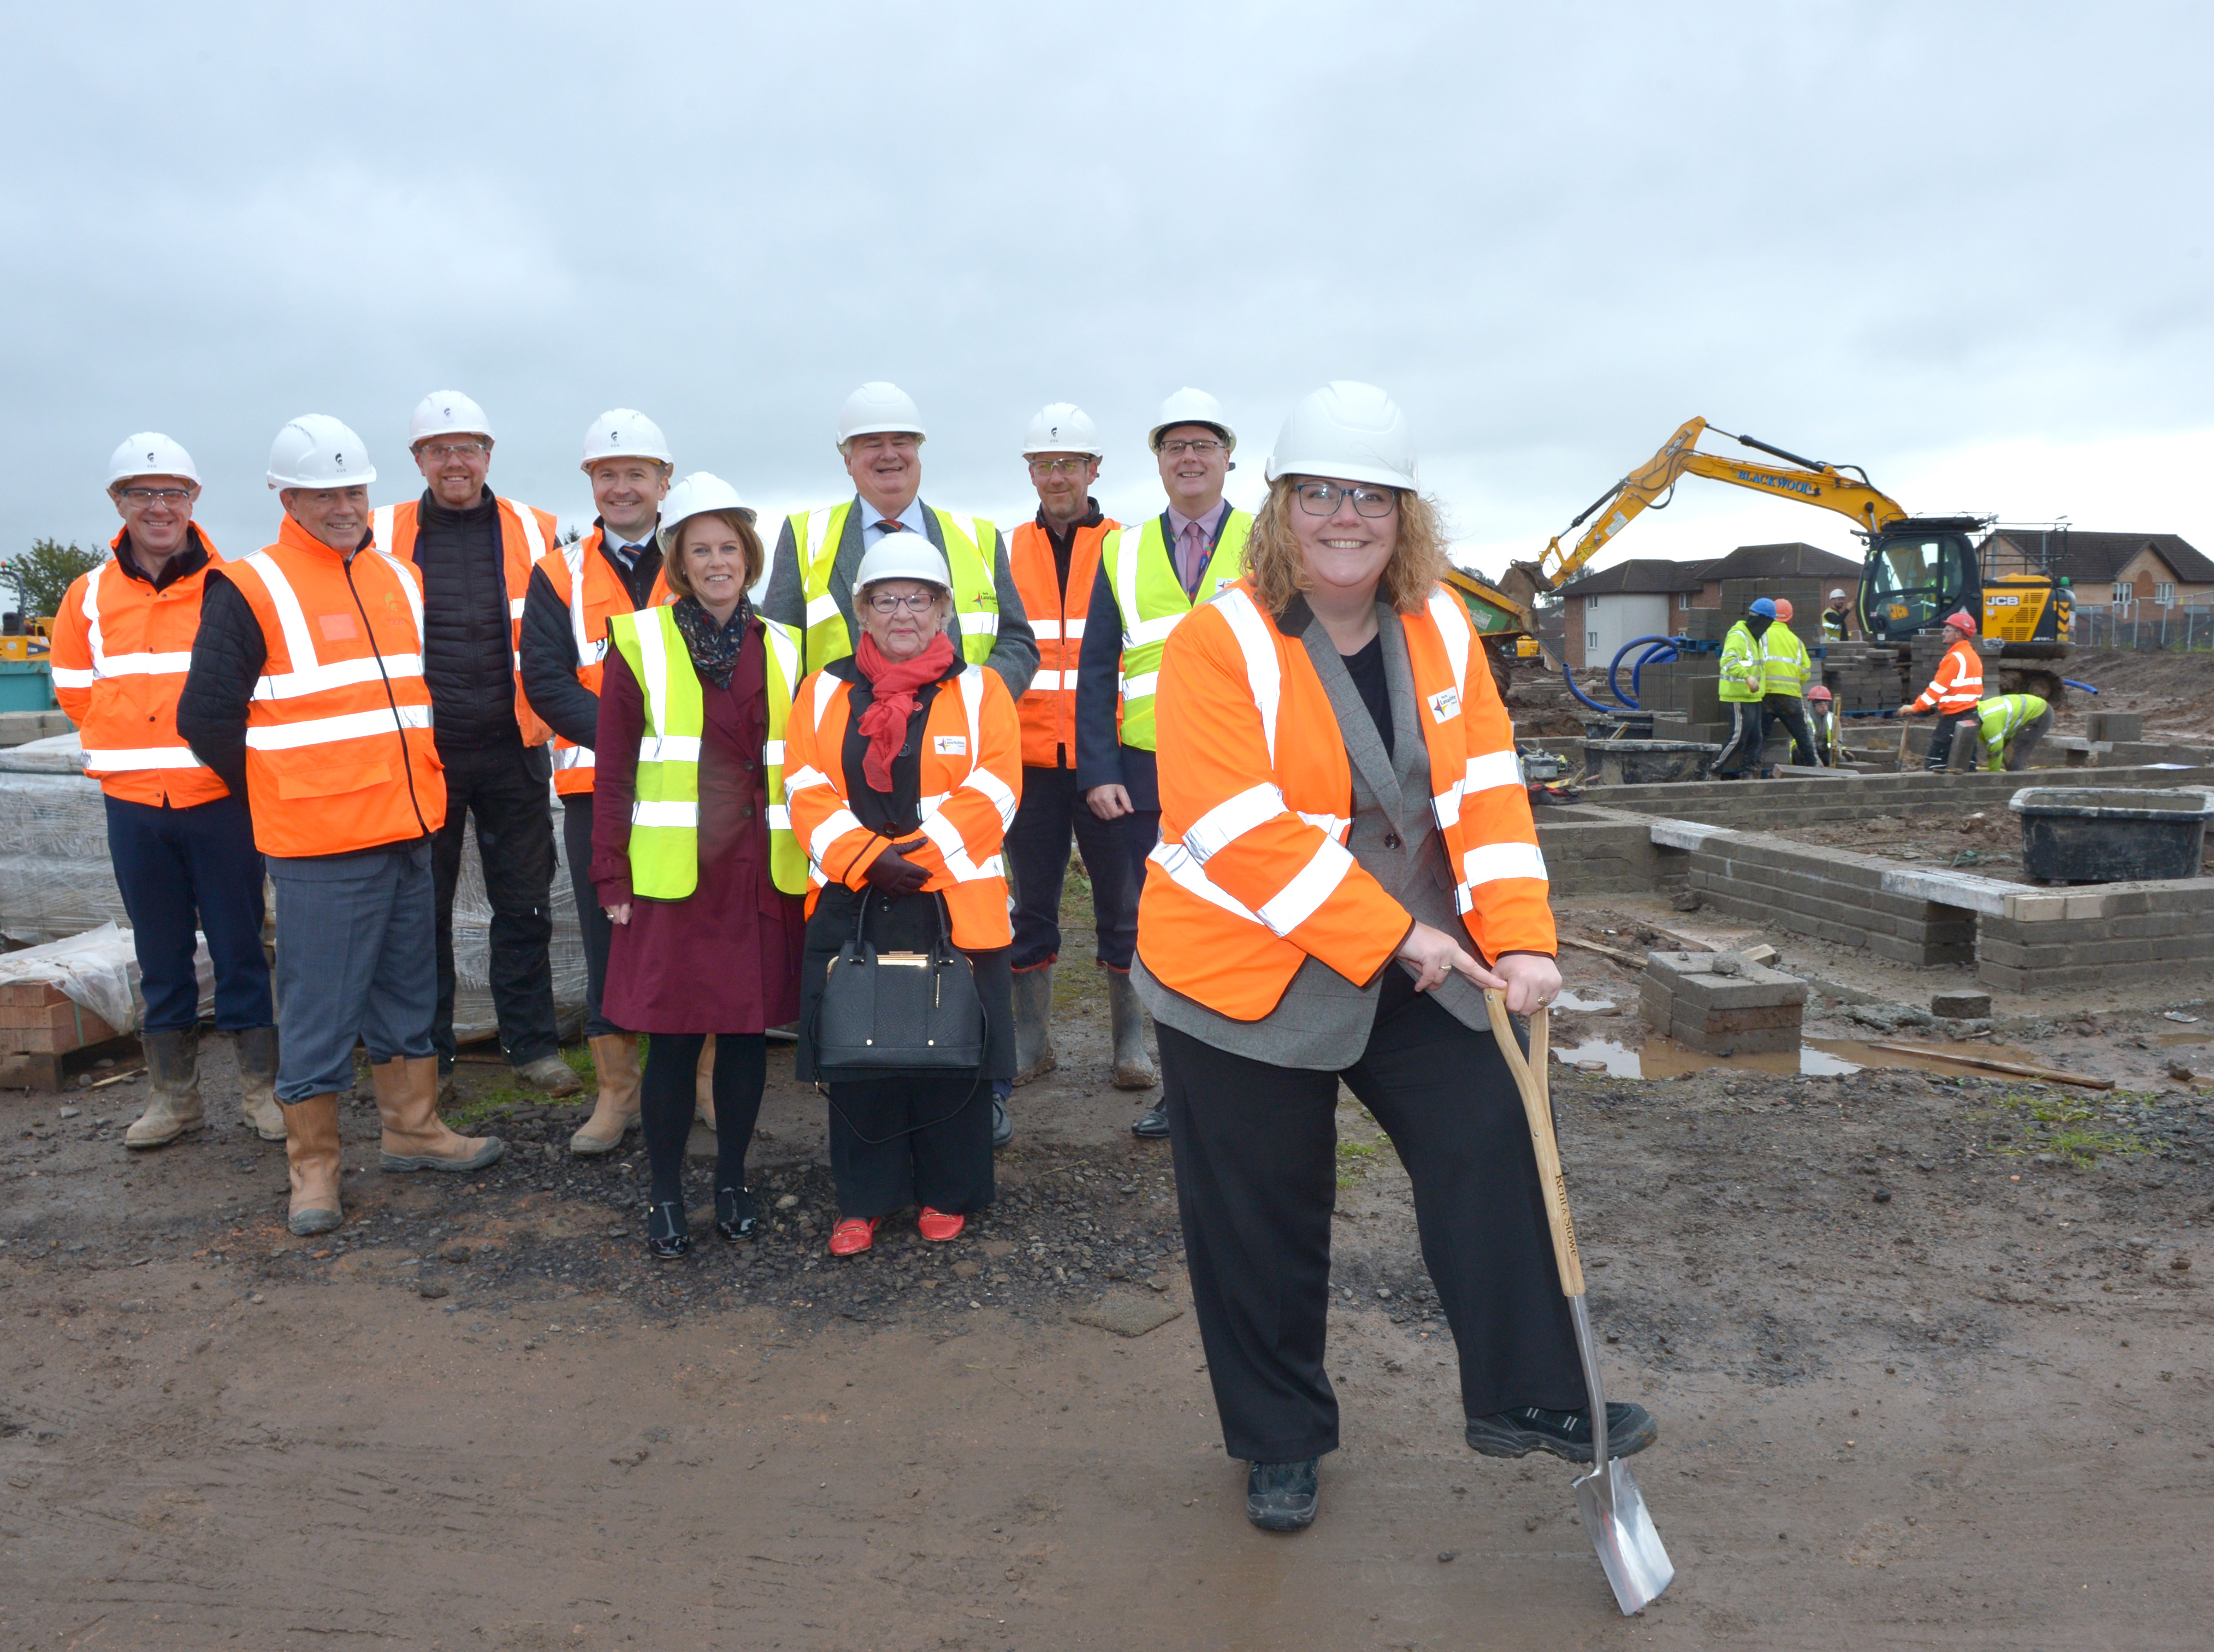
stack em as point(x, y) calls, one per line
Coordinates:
point(904, 767)
point(1347, 862)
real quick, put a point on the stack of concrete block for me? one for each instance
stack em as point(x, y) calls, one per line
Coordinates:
point(2062, 942)
point(2114, 727)
point(1721, 1002)
point(1863, 677)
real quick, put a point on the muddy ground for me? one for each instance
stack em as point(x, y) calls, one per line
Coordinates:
point(1930, 1357)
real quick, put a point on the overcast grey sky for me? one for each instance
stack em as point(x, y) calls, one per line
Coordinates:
point(1963, 245)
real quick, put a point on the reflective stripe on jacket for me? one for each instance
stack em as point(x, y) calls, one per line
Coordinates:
point(1152, 601)
point(1741, 669)
point(120, 651)
point(526, 533)
point(975, 597)
point(1785, 664)
point(1252, 876)
point(2000, 718)
point(1959, 682)
point(582, 580)
point(665, 816)
point(1048, 707)
point(972, 781)
point(339, 751)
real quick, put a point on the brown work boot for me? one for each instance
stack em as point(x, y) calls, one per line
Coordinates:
point(616, 1114)
point(703, 1083)
point(1133, 1067)
point(415, 1137)
point(311, 1154)
point(552, 1075)
point(256, 1049)
point(173, 1064)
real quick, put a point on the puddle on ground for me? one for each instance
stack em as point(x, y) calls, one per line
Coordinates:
point(1664, 1058)
point(1568, 1001)
point(2165, 1038)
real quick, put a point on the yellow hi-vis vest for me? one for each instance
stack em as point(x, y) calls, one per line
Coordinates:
point(1785, 664)
point(665, 813)
point(1143, 577)
point(975, 597)
point(2000, 718)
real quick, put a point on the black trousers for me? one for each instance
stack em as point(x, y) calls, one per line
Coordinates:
point(1748, 730)
point(1053, 809)
point(592, 924)
point(669, 1096)
point(1256, 1171)
point(503, 787)
point(183, 873)
point(1941, 741)
point(1791, 711)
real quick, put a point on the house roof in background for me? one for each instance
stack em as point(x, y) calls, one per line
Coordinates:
point(1646, 576)
point(1794, 561)
point(2087, 558)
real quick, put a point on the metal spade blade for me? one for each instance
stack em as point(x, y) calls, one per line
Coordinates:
point(1630, 1549)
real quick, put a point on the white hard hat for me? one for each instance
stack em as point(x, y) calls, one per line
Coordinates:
point(446, 413)
point(1838, 593)
point(878, 407)
point(624, 433)
point(903, 556)
point(1345, 431)
point(1191, 406)
point(316, 450)
point(149, 453)
point(1062, 428)
point(692, 496)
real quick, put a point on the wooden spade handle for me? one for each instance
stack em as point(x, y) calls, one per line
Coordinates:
point(1538, 1108)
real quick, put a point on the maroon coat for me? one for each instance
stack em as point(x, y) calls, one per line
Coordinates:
point(725, 958)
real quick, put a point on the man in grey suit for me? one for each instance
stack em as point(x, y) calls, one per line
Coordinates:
point(810, 578)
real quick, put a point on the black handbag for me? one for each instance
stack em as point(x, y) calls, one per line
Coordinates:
point(897, 1012)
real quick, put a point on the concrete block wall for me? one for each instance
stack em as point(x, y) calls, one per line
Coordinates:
point(1596, 851)
point(2043, 941)
point(1832, 893)
point(1756, 806)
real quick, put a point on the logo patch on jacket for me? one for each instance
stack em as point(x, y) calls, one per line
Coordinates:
point(950, 745)
point(337, 627)
point(1445, 703)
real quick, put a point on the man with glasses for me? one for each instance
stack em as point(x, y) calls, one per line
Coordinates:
point(475, 551)
point(810, 579)
point(1150, 577)
point(179, 839)
point(1056, 559)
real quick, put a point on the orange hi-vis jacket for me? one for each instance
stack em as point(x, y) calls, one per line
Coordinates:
point(526, 534)
point(121, 652)
point(339, 751)
point(1252, 876)
point(1049, 705)
point(1959, 683)
point(972, 781)
point(581, 578)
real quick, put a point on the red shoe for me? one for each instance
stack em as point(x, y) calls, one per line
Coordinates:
point(854, 1235)
point(937, 1227)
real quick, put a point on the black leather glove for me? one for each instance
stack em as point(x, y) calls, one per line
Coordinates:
point(894, 874)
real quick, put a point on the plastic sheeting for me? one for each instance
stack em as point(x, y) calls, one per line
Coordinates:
point(56, 881)
point(99, 969)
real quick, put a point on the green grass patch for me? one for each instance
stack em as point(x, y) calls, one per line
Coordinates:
point(2077, 1127)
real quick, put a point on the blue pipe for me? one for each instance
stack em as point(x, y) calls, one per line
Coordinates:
point(1617, 666)
point(1660, 654)
point(1569, 677)
point(2085, 687)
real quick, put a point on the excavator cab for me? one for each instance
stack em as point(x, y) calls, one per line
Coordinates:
point(1918, 571)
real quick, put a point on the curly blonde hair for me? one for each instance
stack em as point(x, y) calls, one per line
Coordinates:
point(1418, 562)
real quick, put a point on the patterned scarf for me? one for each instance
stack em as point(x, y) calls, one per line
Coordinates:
point(714, 649)
point(894, 682)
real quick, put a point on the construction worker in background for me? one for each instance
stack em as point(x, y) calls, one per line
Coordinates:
point(1823, 711)
point(1151, 574)
point(811, 580)
point(474, 552)
point(2000, 733)
point(306, 695)
point(1954, 690)
point(1835, 617)
point(179, 839)
point(1741, 689)
point(574, 591)
point(1785, 665)
point(1056, 559)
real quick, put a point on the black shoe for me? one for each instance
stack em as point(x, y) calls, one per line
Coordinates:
point(1629, 1429)
point(1281, 1496)
point(665, 1233)
point(1003, 1128)
point(1154, 1126)
point(734, 1213)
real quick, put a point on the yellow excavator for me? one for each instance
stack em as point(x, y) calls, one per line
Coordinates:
point(1916, 570)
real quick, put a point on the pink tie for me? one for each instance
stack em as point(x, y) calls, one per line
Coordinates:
point(1193, 542)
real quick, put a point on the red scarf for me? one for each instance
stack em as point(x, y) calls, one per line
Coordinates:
point(895, 681)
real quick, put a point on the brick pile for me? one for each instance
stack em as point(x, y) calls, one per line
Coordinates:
point(1721, 1001)
point(40, 1024)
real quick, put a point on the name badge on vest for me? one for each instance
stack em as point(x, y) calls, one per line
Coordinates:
point(1445, 703)
point(950, 745)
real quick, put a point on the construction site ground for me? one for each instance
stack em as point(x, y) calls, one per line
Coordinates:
point(1929, 1356)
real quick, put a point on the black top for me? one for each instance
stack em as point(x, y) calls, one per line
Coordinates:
point(896, 813)
point(188, 561)
point(1366, 670)
point(1064, 541)
point(467, 649)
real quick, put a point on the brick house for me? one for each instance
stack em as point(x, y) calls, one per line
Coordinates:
point(1602, 611)
point(2128, 571)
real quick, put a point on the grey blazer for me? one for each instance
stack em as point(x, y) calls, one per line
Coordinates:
point(1014, 653)
point(1322, 1021)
